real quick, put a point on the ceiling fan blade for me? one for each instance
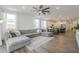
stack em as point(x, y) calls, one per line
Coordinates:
point(46, 8)
point(41, 6)
point(34, 8)
point(46, 11)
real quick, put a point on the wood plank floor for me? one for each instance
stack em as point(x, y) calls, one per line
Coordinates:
point(62, 43)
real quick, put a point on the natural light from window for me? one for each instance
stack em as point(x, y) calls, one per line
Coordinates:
point(11, 21)
point(37, 23)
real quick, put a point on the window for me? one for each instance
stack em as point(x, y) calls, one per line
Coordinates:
point(37, 23)
point(43, 24)
point(11, 21)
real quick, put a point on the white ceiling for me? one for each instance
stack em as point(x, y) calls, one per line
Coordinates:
point(55, 10)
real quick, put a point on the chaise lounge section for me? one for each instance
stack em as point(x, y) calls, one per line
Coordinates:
point(17, 42)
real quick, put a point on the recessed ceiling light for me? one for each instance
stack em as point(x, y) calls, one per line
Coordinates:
point(57, 8)
point(23, 7)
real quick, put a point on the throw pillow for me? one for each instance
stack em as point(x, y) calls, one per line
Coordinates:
point(17, 33)
point(13, 34)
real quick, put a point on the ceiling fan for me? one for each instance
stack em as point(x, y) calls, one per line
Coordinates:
point(41, 10)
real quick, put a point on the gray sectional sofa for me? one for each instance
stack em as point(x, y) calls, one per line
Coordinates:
point(30, 33)
point(33, 33)
point(23, 38)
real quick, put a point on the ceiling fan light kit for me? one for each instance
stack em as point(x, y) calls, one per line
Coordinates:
point(42, 10)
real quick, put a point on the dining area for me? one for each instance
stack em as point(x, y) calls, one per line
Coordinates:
point(54, 30)
point(56, 27)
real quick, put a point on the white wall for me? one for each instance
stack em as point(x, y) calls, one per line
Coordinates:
point(0, 28)
point(0, 35)
point(25, 21)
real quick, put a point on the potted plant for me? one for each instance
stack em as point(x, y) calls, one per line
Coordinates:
point(0, 20)
point(77, 28)
point(77, 34)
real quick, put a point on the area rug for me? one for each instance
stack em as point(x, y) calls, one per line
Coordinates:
point(38, 41)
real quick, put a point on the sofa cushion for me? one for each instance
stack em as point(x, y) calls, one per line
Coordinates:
point(16, 40)
point(31, 35)
point(28, 31)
